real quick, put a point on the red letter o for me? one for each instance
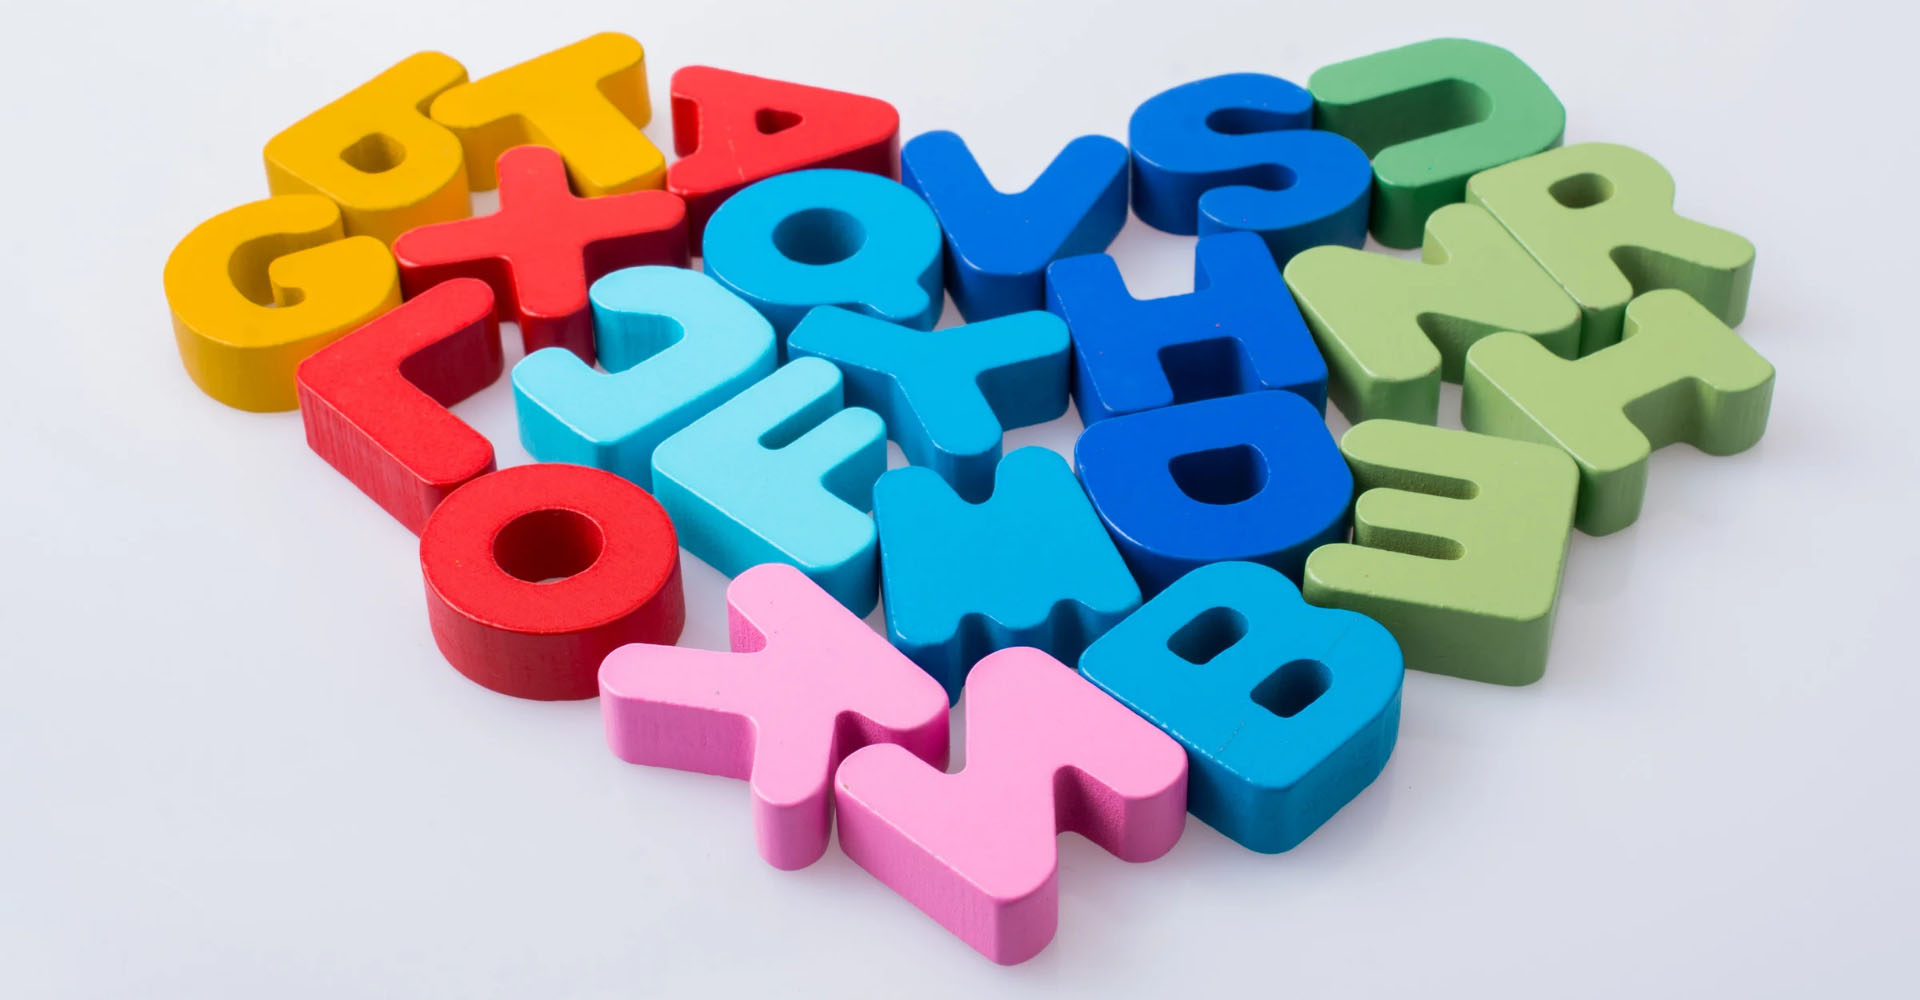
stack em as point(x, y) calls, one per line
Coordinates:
point(535, 573)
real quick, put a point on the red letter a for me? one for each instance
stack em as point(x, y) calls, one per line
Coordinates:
point(731, 129)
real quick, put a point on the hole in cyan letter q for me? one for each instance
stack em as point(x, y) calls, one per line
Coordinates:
point(819, 236)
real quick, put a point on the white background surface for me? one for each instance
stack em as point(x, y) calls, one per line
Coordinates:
point(232, 763)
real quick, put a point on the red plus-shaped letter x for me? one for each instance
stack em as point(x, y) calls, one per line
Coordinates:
point(544, 246)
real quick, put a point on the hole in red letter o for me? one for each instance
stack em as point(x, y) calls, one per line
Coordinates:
point(535, 573)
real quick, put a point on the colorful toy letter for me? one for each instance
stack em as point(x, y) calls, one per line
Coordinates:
point(1600, 219)
point(1678, 374)
point(731, 129)
point(780, 473)
point(1431, 115)
point(1030, 566)
point(999, 244)
point(978, 850)
point(807, 684)
point(1237, 331)
point(1252, 477)
point(1391, 329)
point(946, 395)
point(544, 246)
point(1286, 711)
point(1458, 544)
point(587, 100)
point(1236, 152)
point(828, 238)
point(375, 401)
point(256, 289)
point(675, 345)
point(377, 154)
point(535, 573)
point(1260, 685)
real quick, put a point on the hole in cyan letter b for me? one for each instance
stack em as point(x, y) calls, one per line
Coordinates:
point(819, 236)
point(374, 153)
point(1220, 476)
point(1290, 689)
point(1209, 634)
point(543, 546)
